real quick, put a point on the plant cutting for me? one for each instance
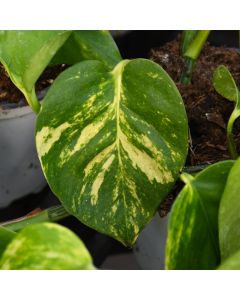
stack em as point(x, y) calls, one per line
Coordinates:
point(112, 139)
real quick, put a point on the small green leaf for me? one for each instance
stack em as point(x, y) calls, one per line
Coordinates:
point(112, 144)
point(5, 238)
point(26, 53)
point(226, 87)
point(46, 246)
point(193, 227)
point(224, 83)
point(89, 45)
point(229, 217)
point(232, 263)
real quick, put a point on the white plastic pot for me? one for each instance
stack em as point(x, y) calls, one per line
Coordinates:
point(150, 246)
point(20, 170)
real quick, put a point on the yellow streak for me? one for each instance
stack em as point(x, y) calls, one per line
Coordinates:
point(149, 166)
point(48, 136)
point(99, 179)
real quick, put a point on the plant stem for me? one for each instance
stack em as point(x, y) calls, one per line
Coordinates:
point(230, 137)
point(187, 38)
point(187, 74)
point(52, 214)
point(32, 100)
point(192, 53)
point(197, 44)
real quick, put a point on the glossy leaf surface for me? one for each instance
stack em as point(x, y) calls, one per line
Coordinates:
point(89, 45)
point(46, 246)
point(229, 214)
point(193, 227)
point(26, 53)
point(112, 144)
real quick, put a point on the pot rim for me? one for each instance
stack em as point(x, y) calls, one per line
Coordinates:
point(16, 112)
point(20, 111)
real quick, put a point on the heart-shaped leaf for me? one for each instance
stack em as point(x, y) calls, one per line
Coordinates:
point(26, 53)
point(89, 45)
point(193, 227)
point(229, 216)
point(111, 144)
point(224, 83)
point(46, 246)
point(5, 238)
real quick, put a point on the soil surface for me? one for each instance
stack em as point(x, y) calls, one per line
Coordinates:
point(10, 95)
point(207, 111)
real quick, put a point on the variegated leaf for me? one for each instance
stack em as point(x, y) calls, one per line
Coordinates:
point(111, 144)
point(229, 218)
point(46, 246)
point(193, 226)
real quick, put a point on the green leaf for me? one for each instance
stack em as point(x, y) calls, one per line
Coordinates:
point(224, 83)
point(112, 144)
point(89, 45)
point(193, 227)
point(26, 53)
point(46, 246)
point(232, 263)
point(229, 217)
point(5, 237)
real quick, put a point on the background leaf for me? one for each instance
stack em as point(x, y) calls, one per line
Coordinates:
point(224, 83)
point(193, 227)
point(26, 53)
point(5, 237)
point(112, 144)
point(89, 45)
point(229, 217)
point(46, 246)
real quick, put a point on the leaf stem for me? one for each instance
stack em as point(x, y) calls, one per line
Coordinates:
point(52, 214)
point(187, 38)
point(192, 53)
point(230, 137)
point(197, 44)
point(32, 100)
point(187, 74)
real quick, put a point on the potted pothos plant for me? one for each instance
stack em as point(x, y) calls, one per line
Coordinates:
point(112, 137)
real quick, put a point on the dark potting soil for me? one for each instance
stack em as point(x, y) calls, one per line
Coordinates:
point(11, 96)
point(207, 111)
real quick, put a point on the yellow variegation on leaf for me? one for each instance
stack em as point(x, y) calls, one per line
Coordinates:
point(112, 144)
